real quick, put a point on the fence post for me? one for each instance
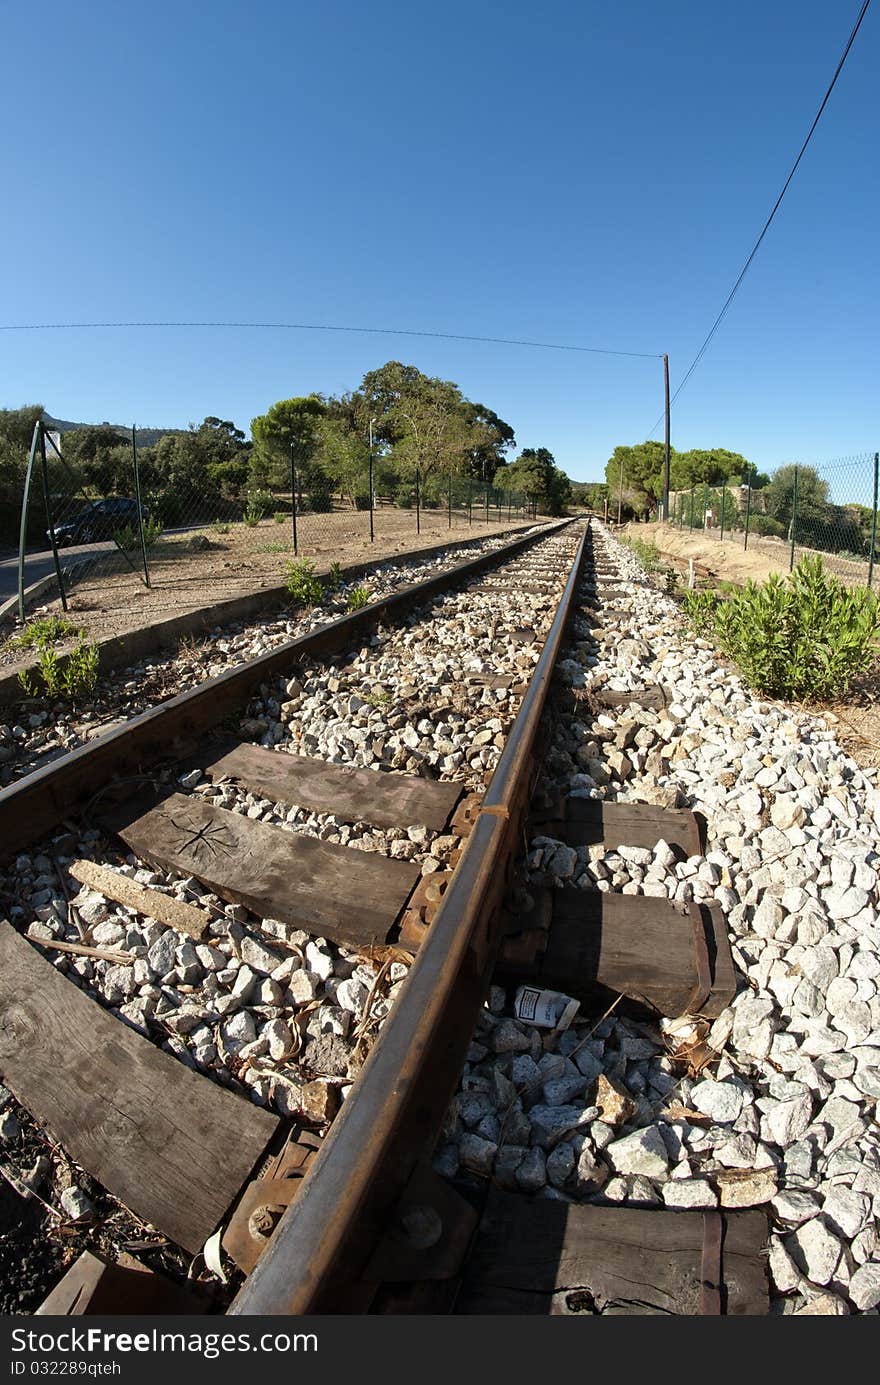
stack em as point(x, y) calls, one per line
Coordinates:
point(49, 519)
point(748, 505)
point(372, 535)
point(793, 517)
point(470, 500)
point(705, 505)
point(25, 503)
point(509, 502)
point(449, 501)
point(873, 521)
point(137, 496)
point(693, 488)
point(293, 491)
point(723, 505)
point(487, 504)
point(418, 514)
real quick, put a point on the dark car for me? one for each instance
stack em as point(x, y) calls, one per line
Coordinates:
point(101, 520)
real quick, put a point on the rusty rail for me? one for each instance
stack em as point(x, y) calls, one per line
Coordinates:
point(318, 1260)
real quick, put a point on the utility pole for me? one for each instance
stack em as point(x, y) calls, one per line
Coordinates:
point(666, 452)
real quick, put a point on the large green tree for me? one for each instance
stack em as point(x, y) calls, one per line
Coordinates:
point(292, 422)
point(101, 457)
point(812, 494)
point(16, 430)
point(636, 474)
point(535, 475)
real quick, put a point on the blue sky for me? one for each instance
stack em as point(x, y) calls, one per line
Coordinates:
point(592, 173)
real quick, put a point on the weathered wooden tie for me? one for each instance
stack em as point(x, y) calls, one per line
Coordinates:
point(674, 959)
point(95, 1286)
point(559, 1258)
point(355, 795)
point(352, 897)
point(169, 1143)
point(587, 821)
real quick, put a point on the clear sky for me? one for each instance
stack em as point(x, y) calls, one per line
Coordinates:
point(591, 173)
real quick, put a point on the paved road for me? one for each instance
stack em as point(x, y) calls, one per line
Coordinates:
point(37, 565)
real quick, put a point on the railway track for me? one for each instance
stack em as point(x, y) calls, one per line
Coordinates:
point(319, 937)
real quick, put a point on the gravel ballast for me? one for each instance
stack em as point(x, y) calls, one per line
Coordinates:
point(784, 1116)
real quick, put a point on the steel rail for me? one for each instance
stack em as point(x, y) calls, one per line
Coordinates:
point(318, 1258)
point(36, 803)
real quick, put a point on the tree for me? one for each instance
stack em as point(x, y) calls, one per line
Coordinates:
point(591, 494)
point(636, 473)
point(812, 494)
point(535, 475)
point(343, 454)
point(491, 438)
point(101, 457)
point(16, 431)
point(291, 422)
point(701, 466)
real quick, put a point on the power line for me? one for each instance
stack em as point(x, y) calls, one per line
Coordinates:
point(323, 327)
point(730, 297)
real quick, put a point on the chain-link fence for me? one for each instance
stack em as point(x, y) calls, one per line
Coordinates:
point(110, 501)
point(828, 509)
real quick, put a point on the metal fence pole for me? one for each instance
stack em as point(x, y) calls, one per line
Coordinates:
point(793, 517)
point(705, 506)
point(748, 506)
point(509, 502)
point(137, 496)
point(873, 521)
point(723, 506)
point(487, 505)
point(418, 515)
point(693, 488)
point(449, 501)
point(49, 519)
point(293, 492)
point(25, 503)
point(470, 500)
point(372, 534)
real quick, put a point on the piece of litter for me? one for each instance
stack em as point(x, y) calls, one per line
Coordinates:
point(545, 1009)
point(211, 1255)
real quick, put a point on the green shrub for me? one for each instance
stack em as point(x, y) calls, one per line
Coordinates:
point(302, 584)
point(804, 637)
point(259, 504)
point(700, 608)
point(126, 538)
point(320, 503)
point(129, 536)
point(646, 551)
point(767, 526)
point(73, 677)
point(44, 631)
point(220, 526)
point(334, 577)
point(357, 598)
point(280, 516)
point(404, 497)
point(362, 502)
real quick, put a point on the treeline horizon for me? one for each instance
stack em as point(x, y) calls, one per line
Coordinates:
point(413, 424)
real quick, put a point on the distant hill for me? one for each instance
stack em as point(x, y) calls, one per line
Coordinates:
point(145, 436)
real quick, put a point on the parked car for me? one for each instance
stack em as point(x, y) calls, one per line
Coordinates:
point(100, 520)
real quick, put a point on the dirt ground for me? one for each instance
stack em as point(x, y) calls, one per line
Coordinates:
point(854, 719)
point(241, 560)
point(730, 562)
